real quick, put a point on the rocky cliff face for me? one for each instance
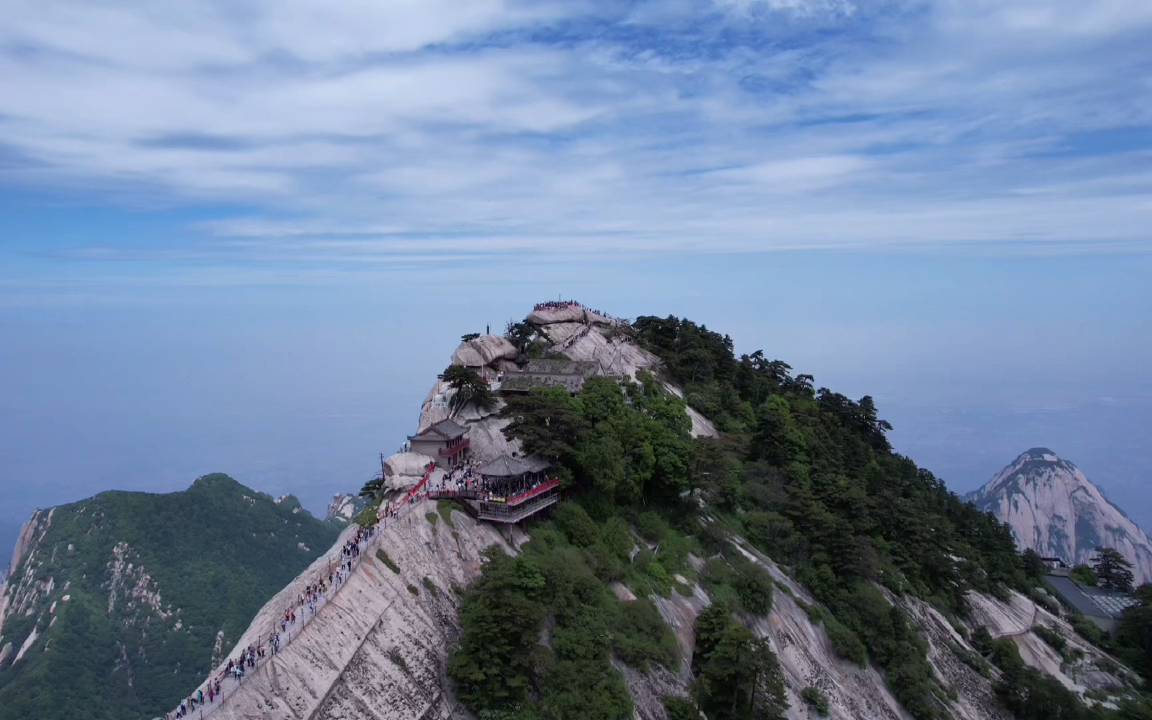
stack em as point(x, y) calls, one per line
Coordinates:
point(378, 650)
point(343, 508)
point(1055, 510)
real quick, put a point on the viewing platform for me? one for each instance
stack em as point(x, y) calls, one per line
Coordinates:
point(485, 506)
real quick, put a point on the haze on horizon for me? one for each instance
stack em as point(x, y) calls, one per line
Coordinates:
point(242, 237)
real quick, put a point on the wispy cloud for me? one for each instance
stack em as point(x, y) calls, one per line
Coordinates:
point(391, 130)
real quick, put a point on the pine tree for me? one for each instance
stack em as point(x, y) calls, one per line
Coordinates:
point(1113, 571)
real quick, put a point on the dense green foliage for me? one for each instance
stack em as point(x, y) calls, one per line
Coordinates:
point(815, 699)
point(806, 475)
point(679, 708)
point(620, 446)
point(737, 675)
point(1084, 575)
point(469, 387)
point(215, 554)
point(499, 667)
point(1112, 570)
point(1134, 636)
point(1026, 692)
point(809, 476)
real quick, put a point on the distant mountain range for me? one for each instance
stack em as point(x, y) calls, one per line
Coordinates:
point(1055, 510)
point(132, 597)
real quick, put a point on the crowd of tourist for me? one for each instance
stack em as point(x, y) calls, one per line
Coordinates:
point(305, 606)
point(565, 304)
point(463, 477)
point(557, 305)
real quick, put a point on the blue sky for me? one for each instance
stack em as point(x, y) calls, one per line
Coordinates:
point(242, 236)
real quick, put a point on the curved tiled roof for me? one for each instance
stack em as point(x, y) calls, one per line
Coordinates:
point(504, 465)
point(447, 429)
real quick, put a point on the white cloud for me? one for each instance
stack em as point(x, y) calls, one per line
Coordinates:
point(497, 126)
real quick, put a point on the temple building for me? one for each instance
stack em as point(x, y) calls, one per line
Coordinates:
point(446, 442)
point(515, 488)
point(541, 373)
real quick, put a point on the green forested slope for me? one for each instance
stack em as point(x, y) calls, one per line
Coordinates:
point(807, 475)
point(203, 561)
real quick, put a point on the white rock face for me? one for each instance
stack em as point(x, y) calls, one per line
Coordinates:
point(377, 650)
point(701, 426)
point(405, 469)
point(807, 658)
point(342, 508)
point(614, 355)
point(1053, 509)
point(571, 314)
point(484, 350)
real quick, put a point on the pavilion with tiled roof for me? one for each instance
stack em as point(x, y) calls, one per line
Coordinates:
point(514, 488)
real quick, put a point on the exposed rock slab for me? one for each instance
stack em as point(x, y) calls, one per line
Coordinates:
point(377, 650)
point(484, 350)
point(1002, 619)
point(569, 314)
point(975, 699)
point(405, 469)
point(20, 593)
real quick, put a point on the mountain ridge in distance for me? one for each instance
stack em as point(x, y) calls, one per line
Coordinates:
point(1055, 510)
point(133, 595)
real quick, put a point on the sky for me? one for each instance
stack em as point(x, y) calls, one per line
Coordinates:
point(244, 236)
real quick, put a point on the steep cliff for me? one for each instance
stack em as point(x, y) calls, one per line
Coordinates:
point(1056, 511)
point(378, 649)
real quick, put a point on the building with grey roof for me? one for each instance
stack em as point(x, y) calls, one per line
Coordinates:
point(1103, 607)
point(446, 442)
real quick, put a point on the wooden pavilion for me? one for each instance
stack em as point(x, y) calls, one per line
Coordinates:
point(513, 488)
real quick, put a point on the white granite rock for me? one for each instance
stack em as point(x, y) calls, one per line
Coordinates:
point(484, 350)
point(571, 314)
point(405, 469)
point(343, 665)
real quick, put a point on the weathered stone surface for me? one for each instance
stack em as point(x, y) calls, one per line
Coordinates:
point(375, 651)
point(484, 350)
point(405, 469)
point(1082, 675)
point(488, 439)
point(1002, 619)
point(571, 314)
point(614, 357)
point(975, 699)
point(649, 689)
point(342, 508)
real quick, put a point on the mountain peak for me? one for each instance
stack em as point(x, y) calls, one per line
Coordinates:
point(1055, 510)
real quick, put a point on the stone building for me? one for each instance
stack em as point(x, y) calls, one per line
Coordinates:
point(446, 442)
